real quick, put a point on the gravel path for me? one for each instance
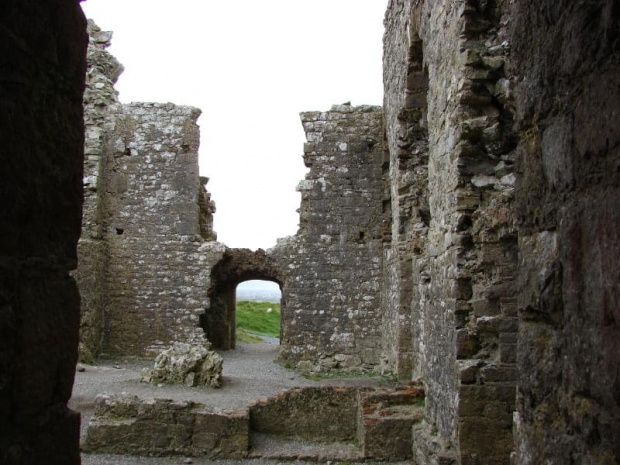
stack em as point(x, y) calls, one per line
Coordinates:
point(249, 375)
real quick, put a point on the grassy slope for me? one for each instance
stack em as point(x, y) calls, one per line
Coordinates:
point(253, 318)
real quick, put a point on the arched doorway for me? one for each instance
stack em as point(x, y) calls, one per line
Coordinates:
point(235, 267)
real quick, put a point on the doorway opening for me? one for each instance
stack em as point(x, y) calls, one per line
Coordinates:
point(258, 312)
point(239, 266)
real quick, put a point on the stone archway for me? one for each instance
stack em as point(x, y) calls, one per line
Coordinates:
point(235, 267)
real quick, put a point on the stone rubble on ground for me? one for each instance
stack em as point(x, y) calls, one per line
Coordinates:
point(192, 365)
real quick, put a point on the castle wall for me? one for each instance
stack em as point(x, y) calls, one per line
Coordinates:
point(332, 267)
point(406, 177)
point(147, 244)
point(43, 49)
point(462, 290)
point(159, 263)
point(101, 108)
point(556, 62)
point(568, 202)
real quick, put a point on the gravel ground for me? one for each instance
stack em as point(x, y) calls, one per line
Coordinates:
point(249, 375)
point(89, 459)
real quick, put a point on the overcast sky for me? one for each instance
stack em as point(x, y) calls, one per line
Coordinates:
point(251, 66)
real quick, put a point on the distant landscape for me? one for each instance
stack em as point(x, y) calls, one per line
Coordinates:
point(258, 291)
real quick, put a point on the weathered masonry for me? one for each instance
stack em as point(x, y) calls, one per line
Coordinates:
point(234, 267)
point(453, 257)
point(332, 266)
point(495, 284)
point(147, 243)
point(482, 260)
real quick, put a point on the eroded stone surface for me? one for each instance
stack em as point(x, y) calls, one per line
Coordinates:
point(452, 261)
point(568, 404)
point(186, 364)
point(327, 414)
point(332, 267)
point(386, 419)
point(147, 243)
point(124, 424)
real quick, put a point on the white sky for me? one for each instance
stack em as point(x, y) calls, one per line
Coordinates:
point(251, 66)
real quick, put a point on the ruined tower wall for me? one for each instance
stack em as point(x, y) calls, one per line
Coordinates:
point(437, 300)
point(159, 264)
point(463, 307)
point(101, 108)
point(332, 268)
point(147, 242)
point(568, 205)
point(43, 49)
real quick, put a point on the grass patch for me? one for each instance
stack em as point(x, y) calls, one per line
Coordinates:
point(261, 318)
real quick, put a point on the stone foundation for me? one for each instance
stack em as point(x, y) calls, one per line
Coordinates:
point(128, 425)
point(325, 423)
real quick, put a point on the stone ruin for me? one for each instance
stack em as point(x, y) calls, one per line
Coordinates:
point(477, 251)
point(186, 364)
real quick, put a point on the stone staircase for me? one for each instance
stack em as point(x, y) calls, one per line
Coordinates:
point(327, 423)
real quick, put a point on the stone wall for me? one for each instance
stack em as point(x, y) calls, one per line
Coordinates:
point(567, 57)
point(332, 268)
point(147, 245)
point(406, 173)
point(449, 253)
point(451, 157)
point(159, 264)
point(124, 424)
point(43, 49)
point(101, 108)
point(315, 414)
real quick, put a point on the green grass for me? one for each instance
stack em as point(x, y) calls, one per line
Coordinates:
point(254, 318)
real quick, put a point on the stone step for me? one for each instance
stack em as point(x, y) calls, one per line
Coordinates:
point(265, 446)
point(315, 414)
point(386, 419)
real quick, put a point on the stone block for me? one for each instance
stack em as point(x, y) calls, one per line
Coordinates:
point(317, 414)
point(486, 438)
point(221, 435)
point(128, 425)
point(386, 420)
point(498, 374)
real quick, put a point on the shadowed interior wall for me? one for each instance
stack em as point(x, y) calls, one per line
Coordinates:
point(453, 255)
point(567, 55)
point(42, 50)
